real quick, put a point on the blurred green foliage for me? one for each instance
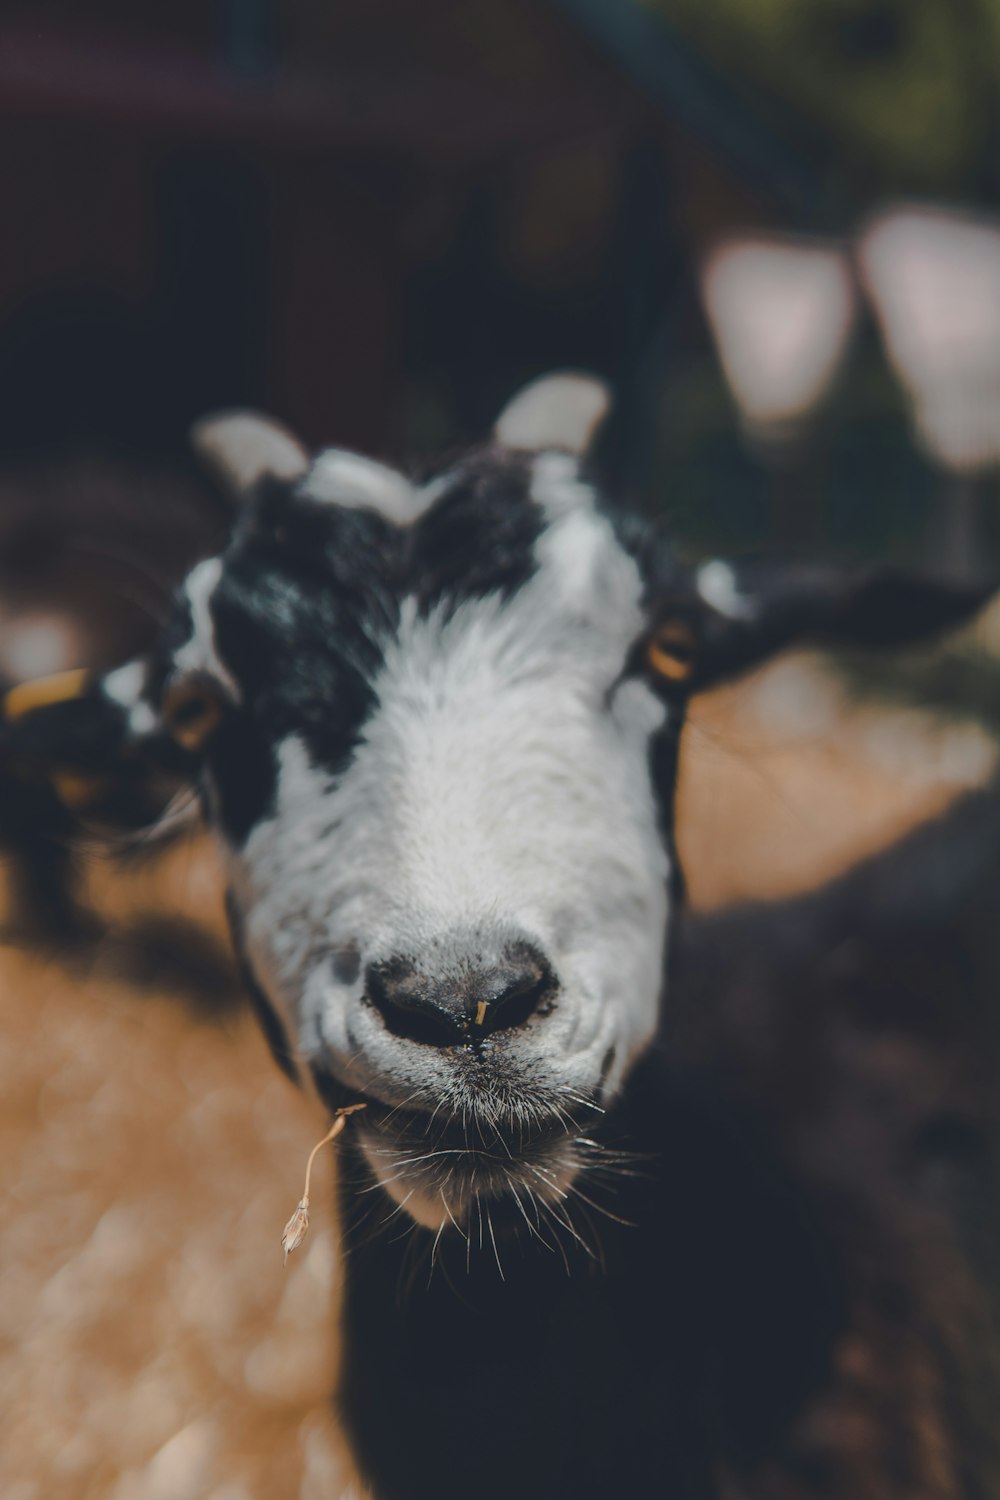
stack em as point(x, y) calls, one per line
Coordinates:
point(905, 90)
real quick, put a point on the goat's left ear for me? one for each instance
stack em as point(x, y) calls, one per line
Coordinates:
point(562, 410)
point(240, 447)
point(724, 618)
point(94, 743)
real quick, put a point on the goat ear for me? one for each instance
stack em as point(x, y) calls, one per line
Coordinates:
point(93, 743)
point(724, 618)
point(351, 481)
point(240, 447)
point(563, 410)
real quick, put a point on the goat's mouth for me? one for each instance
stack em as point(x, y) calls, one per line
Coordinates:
point(493, 1147)
point(516, 1158)
point(443, 1171)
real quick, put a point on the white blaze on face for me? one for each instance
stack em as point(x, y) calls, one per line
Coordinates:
point(200, 652)
point(500, 788)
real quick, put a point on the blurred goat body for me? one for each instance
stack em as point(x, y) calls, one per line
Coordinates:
point(435, 727)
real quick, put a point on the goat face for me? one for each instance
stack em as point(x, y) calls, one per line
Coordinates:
point(435, 728)
point(432, 779)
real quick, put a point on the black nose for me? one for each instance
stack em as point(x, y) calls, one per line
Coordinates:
point(473, 1001)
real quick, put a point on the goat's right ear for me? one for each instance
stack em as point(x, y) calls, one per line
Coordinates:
point(726, 617)
point(95, 743)
point(562, 410)
point(240, 447)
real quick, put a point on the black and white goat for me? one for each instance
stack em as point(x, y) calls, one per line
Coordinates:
point(598, 1244)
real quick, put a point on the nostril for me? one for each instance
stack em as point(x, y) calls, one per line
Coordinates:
point(413, 1006)
point(446, 1010)
point(518, 989)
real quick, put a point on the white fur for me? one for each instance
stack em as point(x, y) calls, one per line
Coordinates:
point(124, 686)
point(718, 587)
point(125, 683)
point(200, 652)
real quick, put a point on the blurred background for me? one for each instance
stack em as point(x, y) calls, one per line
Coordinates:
point(768, 222)
point(773, 225)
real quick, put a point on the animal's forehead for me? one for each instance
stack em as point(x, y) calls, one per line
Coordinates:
point(470, 530)
point(306, 573)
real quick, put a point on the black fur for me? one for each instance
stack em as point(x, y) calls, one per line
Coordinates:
point(804, 1301)
point(786, 603)
point(479, 536)
point(695, 1336)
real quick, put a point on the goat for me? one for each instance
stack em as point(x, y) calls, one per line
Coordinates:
point(595, 1244)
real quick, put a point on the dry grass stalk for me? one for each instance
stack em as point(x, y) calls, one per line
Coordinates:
point(295, 1230)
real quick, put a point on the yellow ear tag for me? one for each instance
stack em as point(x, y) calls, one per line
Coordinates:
point(671, 652)
point(60, 687)
point(75, 789)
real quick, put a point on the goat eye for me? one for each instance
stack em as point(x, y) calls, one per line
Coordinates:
point(672, 651)
point(192, 711)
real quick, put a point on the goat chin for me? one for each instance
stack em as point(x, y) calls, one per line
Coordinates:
point(435, 1199)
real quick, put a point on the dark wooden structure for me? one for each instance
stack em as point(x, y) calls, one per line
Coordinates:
point(371, 218)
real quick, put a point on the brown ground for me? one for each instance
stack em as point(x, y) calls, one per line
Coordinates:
point(151, 1346)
